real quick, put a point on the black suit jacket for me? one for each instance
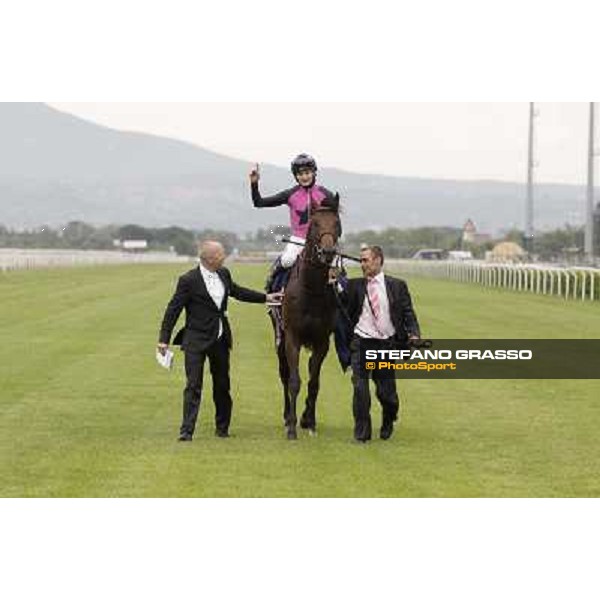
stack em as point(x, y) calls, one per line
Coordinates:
point(402, 313)
point(202, 314)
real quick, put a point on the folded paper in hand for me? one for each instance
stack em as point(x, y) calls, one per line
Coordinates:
point(165, 360)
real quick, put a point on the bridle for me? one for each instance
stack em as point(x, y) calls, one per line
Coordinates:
point(316, 254)
point(322, 255)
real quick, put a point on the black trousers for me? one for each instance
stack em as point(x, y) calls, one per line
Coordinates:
point(218, 357)
point(385, 389)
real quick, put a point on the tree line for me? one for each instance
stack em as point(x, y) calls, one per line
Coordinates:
point(556, 245)
point(559, 244)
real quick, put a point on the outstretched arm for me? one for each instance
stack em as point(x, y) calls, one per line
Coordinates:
point(250, 296)
point(246, 295)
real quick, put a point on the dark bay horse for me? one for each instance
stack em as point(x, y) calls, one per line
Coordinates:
point(309, 313)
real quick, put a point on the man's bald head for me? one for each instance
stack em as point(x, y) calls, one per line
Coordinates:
point(212, 255)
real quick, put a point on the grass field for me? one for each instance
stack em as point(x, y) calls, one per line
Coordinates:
point(85, 410)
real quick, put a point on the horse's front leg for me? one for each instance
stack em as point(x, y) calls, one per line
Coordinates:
point(309, 418)
point(292, 350)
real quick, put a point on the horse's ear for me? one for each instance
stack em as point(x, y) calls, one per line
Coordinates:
point(332, 202)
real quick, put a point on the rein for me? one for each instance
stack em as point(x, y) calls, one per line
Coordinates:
point(286, 240)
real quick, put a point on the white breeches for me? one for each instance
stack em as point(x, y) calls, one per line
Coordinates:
point(292, 252)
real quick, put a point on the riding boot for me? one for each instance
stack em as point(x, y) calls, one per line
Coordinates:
point(275, 269)
point(281, 279)
point(278, 278)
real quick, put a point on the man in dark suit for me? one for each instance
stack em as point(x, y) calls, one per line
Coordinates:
point(204, 294)
point(379, 309)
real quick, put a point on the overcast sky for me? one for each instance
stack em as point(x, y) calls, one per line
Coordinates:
point(446, 140)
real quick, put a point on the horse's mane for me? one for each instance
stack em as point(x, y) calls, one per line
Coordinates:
point(330, 203)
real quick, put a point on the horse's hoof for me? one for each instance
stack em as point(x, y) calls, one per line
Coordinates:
point(312, 433)
point(306, 424)
point(292, 436)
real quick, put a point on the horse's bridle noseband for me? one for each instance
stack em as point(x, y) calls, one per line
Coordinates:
point(319, 253)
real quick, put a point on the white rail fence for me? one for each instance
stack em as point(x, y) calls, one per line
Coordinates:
point(571, 283)
point(15, 259)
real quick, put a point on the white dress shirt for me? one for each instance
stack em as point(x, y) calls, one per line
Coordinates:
point(370, 328)
point(216, 290)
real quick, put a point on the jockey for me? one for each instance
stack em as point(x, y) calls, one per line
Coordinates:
point(301, 200)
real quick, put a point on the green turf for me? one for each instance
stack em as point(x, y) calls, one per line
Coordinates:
point(85, 410)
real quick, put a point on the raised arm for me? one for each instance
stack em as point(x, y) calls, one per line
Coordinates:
point(280, 199)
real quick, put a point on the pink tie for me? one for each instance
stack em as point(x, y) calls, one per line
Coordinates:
point(374, 298)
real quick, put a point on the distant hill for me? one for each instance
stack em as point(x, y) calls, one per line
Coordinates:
point(56, 167)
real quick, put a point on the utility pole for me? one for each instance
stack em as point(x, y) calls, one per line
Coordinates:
point(529, 215)
point(589, 227)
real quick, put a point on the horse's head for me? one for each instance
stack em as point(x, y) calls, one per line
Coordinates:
point(324, 232)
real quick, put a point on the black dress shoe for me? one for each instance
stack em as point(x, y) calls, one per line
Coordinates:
point(387, 430)
point(222, 434)
point(185, 437)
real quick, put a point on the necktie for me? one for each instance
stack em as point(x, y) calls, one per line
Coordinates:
point(374, 299)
